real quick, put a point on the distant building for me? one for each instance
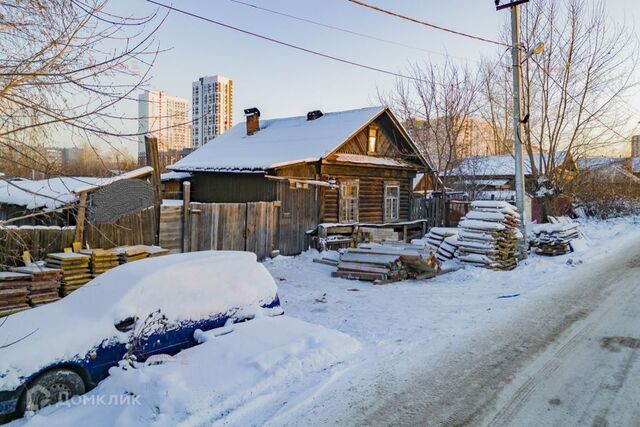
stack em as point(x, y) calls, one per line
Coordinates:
point(476, 137)
point(212, 108)
point(635, 146)
point(70, 156)
point(166, 118)
point(54, 156)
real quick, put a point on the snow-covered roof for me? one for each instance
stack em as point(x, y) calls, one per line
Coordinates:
point(174, 176)
point(498, 165)
point(372, 160)
point(49, 193)
point(487, 182)
point(279, 141)
point(597, 162)
point(53, 193)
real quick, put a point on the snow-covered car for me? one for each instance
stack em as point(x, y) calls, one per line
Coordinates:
point(141, 309)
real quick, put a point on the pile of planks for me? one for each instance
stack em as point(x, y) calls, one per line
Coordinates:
point(101, 260)
point(14, 289)
point(156, 251)
point(45, 283)
point(448, 248)
point(386, 263)
point(489, 236)
point(75, 269)
point(131, 253)
point(554, 239)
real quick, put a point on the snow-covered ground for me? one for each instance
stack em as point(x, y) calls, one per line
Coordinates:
point(372, 341)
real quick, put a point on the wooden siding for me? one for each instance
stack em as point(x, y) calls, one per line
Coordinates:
point(300, 170)
point(371, 192)
point(215, 187)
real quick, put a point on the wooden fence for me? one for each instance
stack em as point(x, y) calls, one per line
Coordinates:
point(38, 240)
point(132, 229)
point(436, 214)
point(252, 227)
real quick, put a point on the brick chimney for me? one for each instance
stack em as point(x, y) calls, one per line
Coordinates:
point(313, 115)
point(253, 120)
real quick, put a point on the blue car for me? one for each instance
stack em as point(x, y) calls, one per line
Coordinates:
point(138, 310)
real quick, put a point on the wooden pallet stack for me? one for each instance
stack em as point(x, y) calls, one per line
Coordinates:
point(14, 289)
point(448, 248)
point(554, 239)
point(75, 269)
point(101, 260)
point(386, 263)
point(489, 236)
point(131, 253)
point(45, 283)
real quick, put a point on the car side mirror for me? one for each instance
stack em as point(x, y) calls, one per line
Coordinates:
point(126, 325)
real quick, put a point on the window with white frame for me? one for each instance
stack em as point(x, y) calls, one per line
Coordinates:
point(391, 202)
point(349, 193)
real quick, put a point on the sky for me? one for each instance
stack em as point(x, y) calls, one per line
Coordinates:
point(283, 82)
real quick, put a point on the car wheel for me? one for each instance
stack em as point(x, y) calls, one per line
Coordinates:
point(56, 385)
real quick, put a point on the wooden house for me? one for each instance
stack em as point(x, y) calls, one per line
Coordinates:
point(495, 173)
point(361, 164)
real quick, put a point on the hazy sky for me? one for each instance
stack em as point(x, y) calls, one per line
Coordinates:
point(281, 81)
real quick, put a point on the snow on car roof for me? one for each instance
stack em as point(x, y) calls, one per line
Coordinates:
point(278, 141)
point(184, 287)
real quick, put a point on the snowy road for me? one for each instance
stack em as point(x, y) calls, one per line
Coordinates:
point(591, 376)
point(586, 372)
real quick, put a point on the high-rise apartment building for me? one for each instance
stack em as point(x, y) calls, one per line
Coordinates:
point(635, 146)
point(211, 109)
point(166, 118)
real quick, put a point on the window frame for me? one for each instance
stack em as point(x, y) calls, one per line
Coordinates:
point(388, 209)
point(372, 139)
point(343, 217)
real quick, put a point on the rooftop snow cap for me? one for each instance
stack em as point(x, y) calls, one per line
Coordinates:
point(315, 114)
point(253, 120)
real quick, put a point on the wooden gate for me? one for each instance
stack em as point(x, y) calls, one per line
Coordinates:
point(249, 227)
point(299, 212)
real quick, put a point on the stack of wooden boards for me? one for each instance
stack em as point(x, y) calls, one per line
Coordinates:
point(45, 283)
point(75, 269)
point(156, 251)
point(554, 239)
point(131, 253)
point(101, 260)
point(386, 263)
point(489, 236)
point(14, 289)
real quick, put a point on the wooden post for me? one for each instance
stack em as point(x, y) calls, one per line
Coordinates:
point(82, 213)
point(186, 216)
point(153, 160)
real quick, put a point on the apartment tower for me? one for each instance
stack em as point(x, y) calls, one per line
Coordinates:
point(212, 108)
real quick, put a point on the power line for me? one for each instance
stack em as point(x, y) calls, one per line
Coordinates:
point(427, 24)
point(344, 30)
point(287, 44)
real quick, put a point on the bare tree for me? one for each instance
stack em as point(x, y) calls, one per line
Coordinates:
point(574, 92)
point(436, 106)
point(66, 68)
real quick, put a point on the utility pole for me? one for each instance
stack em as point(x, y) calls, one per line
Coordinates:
point(516, 55)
